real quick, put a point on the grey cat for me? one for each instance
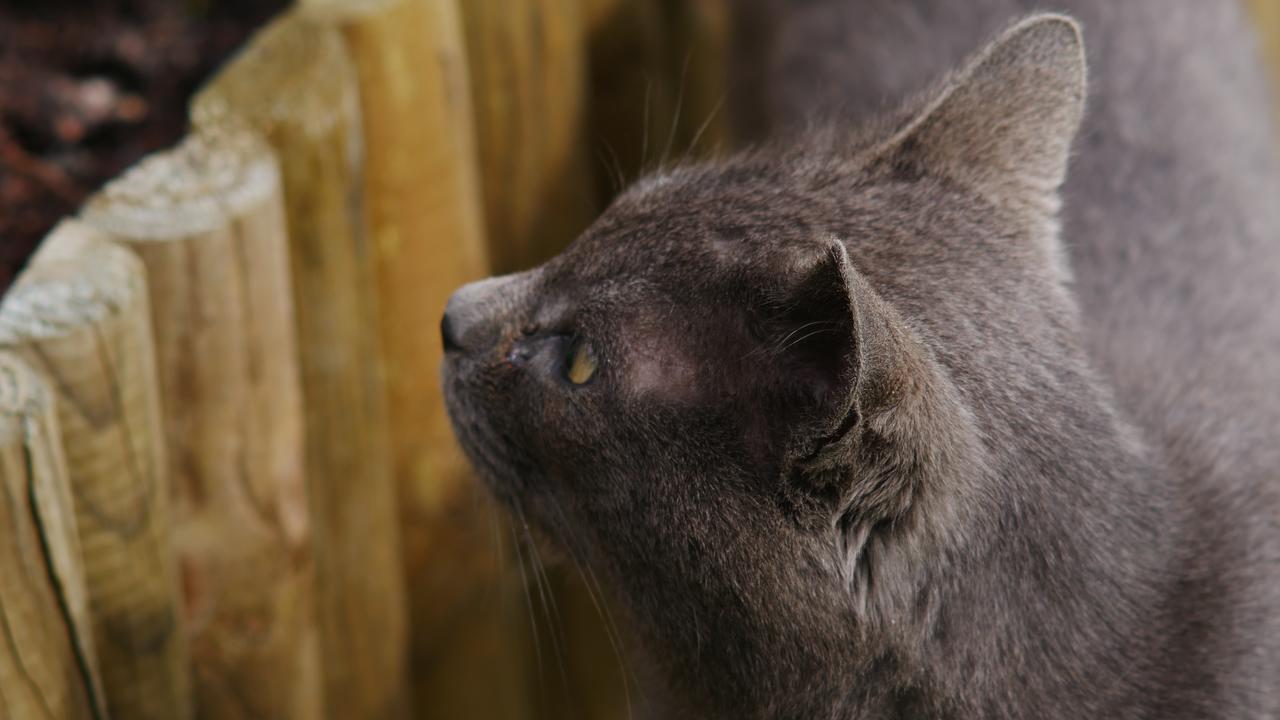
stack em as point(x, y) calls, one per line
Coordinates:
point(882, 420)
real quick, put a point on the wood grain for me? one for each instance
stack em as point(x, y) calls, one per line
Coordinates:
point(296, 85)
point(48, 667)
point(528, 79)
point(208, 222)
point(421, 191)
point(79, 316)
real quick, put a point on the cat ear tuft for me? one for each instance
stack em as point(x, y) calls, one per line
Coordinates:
point(1006, 120)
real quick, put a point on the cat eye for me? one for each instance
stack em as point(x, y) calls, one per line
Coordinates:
point(581, 363)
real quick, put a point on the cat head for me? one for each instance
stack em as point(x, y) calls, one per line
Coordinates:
point(749, 376)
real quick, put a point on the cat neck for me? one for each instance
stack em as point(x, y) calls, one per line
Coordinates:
point(1011, 553)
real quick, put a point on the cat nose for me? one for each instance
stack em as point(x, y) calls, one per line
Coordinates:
point(468, 316)
point(459, 316)
point(447, 335)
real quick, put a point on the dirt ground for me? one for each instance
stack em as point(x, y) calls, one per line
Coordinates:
point(87, 87)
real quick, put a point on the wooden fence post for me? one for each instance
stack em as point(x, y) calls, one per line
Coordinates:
point(48, 667)
point(421, 191)
point(207, 220)
point(528, 78)
point(79, 315)
point(294, 83)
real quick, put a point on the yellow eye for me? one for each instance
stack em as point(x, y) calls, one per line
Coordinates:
point(581, 363)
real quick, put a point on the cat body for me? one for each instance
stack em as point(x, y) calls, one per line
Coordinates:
point(1170, 214)
point(879, 419)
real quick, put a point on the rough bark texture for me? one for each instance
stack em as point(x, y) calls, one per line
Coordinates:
point(207, 220)
point(79, 316)
point(295, 83)
point(48, 667)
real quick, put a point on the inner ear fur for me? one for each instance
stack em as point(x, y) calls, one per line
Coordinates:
point(1004, 122)
point(849, 352)
point(889, 420)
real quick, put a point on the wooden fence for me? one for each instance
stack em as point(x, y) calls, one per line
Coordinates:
point(231, 487)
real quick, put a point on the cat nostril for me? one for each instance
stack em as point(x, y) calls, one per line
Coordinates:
point(447, 335)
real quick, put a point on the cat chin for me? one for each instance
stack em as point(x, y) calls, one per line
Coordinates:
point(468, 426)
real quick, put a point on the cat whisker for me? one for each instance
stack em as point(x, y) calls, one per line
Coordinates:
point(595, 594)
point(550, 611)
point(528, 601)
point(500, 557)
point(706, 124)
point(799, 340)
point(675, 116)
point(644, 131)
point(781, 346)
point(613, 167)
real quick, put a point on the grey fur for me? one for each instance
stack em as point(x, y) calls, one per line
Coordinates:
point(873, 438)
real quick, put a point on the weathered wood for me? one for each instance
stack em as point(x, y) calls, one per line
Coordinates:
point(528, 81)
point(295, 83)
point(207, 220)
point(48, 667)
point(422, 197)
point(79, 315)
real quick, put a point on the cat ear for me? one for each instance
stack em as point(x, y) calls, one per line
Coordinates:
point(873, 398)
point(846, 353)
point(1004, 122)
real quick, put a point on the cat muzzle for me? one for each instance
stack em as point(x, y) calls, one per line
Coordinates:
point(474, 316)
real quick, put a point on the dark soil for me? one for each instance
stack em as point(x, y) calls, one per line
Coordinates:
point(87, 87)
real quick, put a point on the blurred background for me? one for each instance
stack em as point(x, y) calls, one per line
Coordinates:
point(233, 344)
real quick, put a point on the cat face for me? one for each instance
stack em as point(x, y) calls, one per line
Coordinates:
point(638, 399)
point(724, 393)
